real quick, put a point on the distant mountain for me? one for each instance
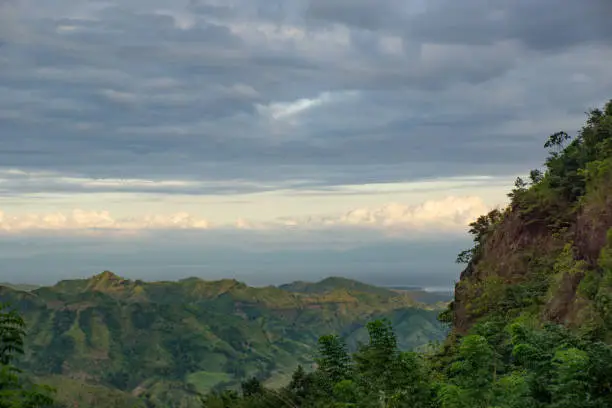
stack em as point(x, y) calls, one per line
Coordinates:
point(156, 342)
point(440, 298)
point(416, 294)
point(335, 283)
point(20, 286)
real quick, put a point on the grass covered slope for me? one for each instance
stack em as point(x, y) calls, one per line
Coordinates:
point(548, 255)
point(166, 341)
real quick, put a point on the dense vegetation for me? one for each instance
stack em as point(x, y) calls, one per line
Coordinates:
point(108, 341)
point(532, 315)
point(549, 252)
point(16, 391)
point(499, 365)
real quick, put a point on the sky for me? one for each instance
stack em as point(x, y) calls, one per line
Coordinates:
point(270, 140)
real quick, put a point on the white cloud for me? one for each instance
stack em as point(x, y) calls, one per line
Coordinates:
point(282, 110)
point(448, 214)
point(118, 96)
point(80, 219)
point(289, 110)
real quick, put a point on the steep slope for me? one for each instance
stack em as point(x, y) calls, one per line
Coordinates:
point(162, 341)
point(414, 295)
point(548, 255)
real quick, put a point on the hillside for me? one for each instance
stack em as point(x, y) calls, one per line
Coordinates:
point(531, 319)
point(335, 283)
point(161, 342)
point(416, 295)
point(548, 255)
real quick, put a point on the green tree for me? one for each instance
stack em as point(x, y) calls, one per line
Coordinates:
point(14, 391)
point(334, 362)
point(251, 387)
point(570, 384)
point(472, 375)
point(387, 375)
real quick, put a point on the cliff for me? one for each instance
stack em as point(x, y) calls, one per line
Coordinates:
point(547, 256)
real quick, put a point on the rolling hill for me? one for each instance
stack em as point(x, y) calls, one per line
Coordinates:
point(161, 343)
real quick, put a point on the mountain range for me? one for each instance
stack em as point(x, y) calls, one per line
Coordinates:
point(112, 341)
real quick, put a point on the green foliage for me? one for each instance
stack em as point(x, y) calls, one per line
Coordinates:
point(12, 332)
point(15, 391)
point(394, 377)
point(573, 167)
point(603, 296)
point(480, 230)
point(446, 316)
point(334, 361)
point(251, 387)
point(471, 375)
point(500, 364)
point(168, 341)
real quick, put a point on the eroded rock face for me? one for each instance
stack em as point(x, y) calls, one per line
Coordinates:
point(592, 225)
point(506, 256)
point(548, 239)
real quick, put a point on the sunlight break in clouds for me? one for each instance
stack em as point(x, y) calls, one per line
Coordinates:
point(287, 110)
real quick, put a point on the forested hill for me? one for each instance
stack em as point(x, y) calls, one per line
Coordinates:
point(110, 341)
point(531, 321)
point(548, 255)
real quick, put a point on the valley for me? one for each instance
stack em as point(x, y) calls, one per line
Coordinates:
point(166, 342)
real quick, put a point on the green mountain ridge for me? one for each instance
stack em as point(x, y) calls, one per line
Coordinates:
point(334, 283)
point(418, 295)
point(160, 343)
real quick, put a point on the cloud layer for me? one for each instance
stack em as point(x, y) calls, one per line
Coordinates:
point(267, 91)
point(449, 214)
point(156, 119)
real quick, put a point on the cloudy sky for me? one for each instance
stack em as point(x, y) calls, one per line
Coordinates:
point(273, 140)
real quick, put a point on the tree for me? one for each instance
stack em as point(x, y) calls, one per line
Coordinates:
point(14, 393)
point(300, 385)
point(251, 387)
point(472, 375)
point(334, 361)
point(557, 141)
point(570, 388)
point(12, 332)
point(535, 176)
point(387, 375)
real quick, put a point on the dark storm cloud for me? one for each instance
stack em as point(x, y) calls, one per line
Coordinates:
point(190, 91)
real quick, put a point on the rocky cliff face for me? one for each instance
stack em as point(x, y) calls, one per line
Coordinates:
point(547, 255)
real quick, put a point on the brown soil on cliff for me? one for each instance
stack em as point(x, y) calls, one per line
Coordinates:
point(533, 256)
